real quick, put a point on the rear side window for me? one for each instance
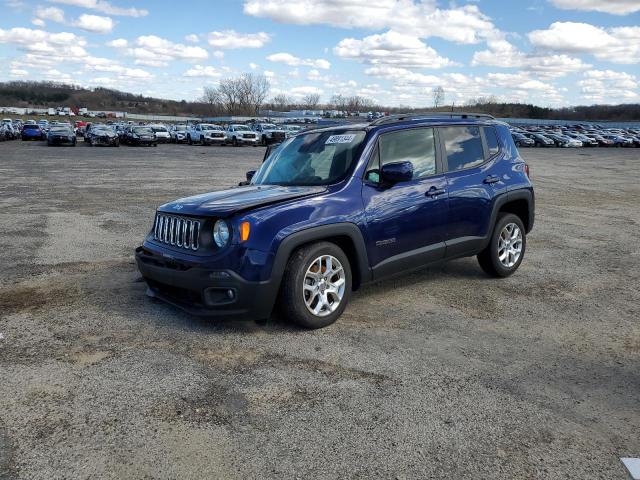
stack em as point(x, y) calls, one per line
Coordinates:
point(463, 147)
point(416, 145)
point(492, 140)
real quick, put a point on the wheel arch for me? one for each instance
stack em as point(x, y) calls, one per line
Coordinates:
point(345, 235)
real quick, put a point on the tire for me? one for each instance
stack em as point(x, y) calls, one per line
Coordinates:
point(489, 258)
point(202, 141)
point(300, 268)
point(518, 144)
point(235, 142)
point(264, 140)
point(189, 141)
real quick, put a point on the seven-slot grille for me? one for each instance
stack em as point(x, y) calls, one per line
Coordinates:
point(178, 231)
point(249, 135)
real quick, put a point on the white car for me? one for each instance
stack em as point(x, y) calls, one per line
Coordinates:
point(178, 133)
point(205, 134)
point(292, 130)
point(162, 133)
point(241, 135)
point(270, 133)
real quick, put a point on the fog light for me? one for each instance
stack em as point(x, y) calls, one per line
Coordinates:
point(231, 294)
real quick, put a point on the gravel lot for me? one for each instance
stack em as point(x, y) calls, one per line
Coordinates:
point(441, 374)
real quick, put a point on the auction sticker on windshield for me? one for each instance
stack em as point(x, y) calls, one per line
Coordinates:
point(340, 139)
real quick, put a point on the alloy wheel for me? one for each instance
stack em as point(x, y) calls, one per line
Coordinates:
point(510, 245)
point(324, 285)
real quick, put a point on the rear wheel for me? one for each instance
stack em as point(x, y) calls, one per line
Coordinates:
point(505, 252)
point(235, 142)
point(189, 141)
point(316, 286)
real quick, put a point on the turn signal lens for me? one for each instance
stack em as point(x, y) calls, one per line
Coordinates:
point(526, 170)
point(245, 229)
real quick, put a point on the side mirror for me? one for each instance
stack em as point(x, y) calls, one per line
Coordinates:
point(396, 172)
point(250, 175)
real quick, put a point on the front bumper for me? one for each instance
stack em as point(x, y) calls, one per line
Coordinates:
point(212, 140)
point(203, 291)
point(60, 141)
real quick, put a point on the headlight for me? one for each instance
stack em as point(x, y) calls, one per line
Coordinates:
point(221, 233)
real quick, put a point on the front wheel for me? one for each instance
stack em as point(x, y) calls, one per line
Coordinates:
point(316, 286)
point(505, 251)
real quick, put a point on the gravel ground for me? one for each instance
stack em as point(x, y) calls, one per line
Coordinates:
point(444, 373)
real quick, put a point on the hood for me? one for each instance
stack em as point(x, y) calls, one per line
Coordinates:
point(228, 202)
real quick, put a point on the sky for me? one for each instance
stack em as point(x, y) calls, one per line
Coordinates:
point(547, 52)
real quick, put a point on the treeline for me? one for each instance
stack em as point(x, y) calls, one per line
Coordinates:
point(248, 93)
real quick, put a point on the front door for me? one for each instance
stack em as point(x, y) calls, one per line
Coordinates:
point(406, 222)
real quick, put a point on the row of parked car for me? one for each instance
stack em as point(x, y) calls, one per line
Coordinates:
point(579, 135)
point(114, 134)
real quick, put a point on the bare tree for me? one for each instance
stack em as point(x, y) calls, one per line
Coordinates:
point(438, 96)
point(339, 102)
point(253, 88)
point(311, 101)
point(281, 102)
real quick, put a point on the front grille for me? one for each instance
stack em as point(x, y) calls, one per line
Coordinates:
point(217, 135)
point(278, 135)
point(248, 135)
point(181, 232)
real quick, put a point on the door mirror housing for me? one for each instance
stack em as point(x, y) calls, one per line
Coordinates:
point(396, 172)
point(250, 175)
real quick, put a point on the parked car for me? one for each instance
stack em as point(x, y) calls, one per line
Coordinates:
point(32, 132)
point(140, 135)
point(162, 133)
point(61, 135)
point(205, 134)
point(521, 141)
point(178, 133)
point(269, 133)
point(102, 135)
point(619, 141)
point(540, 140)
point(332, 209)
point(241, 135)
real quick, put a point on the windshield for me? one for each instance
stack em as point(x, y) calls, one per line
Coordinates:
point(319, 158)
point(210, 127)
point(241, 128)
point(180, 128)
point(269, 126)
point(143, 131)
point(159, 129)
point(29, 126)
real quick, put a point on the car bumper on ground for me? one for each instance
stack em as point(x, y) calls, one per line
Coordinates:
point(204, 291)
point(214, 140)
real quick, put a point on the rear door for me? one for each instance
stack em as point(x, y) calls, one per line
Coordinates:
point(406, 222)
point(474, 179)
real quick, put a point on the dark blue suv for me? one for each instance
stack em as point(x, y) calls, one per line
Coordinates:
point(334, 208)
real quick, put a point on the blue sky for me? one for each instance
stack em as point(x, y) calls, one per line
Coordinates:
point(548, 52)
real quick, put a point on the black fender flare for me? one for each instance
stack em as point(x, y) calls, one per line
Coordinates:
point(519, 194)
point(358, 256)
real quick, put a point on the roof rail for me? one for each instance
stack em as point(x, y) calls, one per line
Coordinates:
point(419, 116)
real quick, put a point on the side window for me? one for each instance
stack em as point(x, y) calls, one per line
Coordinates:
point(492, 140)
point(416, 145)
point(463, 147)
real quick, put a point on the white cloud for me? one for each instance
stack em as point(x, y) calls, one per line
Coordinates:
point(154, 51)
point(18, 72)
point(193, 38)
point(616, 7)
point(422, 18)
point(104, 7)
point(294, 61)
point(118, 43)
point(392, 48)
point(299, 92)
point(203, 71)
point(45, 48)
point(218, 54)
point(53, 14)
point(253, 66)
point(38, 22)
point(608, 85)
point(503, 54)
point(94, 23)
point(618, 45)
point(232, 39)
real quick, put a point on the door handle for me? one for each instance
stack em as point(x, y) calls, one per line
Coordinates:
point(435, 191)
point(491, 179)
